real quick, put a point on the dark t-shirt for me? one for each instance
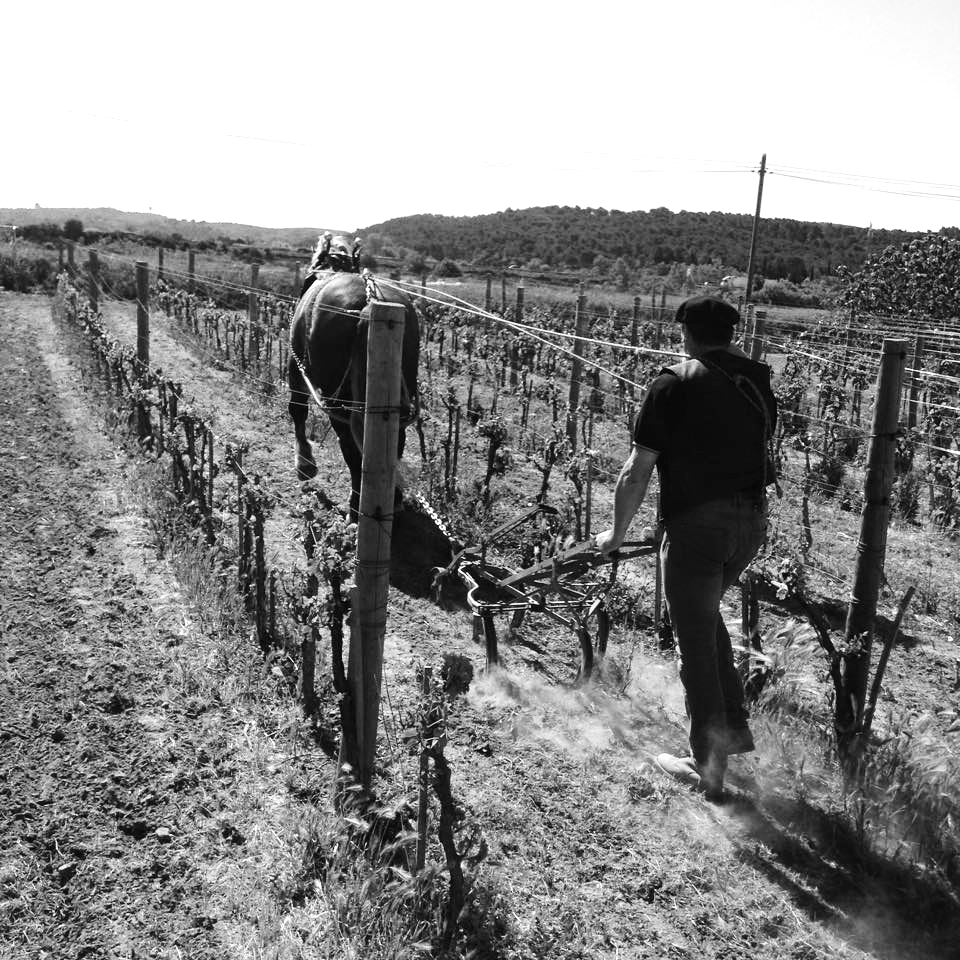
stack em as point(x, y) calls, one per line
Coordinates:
point(709, 432)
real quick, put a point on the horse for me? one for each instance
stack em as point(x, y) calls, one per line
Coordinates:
point(328, 353)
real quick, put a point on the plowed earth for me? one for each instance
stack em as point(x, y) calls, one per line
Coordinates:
point(153, 787)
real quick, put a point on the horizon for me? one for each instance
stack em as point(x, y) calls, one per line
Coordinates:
point(465, 111)
point(73, 209)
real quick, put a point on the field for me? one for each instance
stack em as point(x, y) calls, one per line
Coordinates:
point(165, 796)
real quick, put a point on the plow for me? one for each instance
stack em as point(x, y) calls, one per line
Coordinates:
point(570, 587)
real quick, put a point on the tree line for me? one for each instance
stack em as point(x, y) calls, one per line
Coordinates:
point(606, 242)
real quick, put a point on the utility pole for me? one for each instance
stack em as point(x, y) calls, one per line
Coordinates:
point(758, 330)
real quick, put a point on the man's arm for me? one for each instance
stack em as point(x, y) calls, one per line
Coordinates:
point(628, 495)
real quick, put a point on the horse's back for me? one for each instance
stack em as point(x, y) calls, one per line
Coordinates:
point(330, 324)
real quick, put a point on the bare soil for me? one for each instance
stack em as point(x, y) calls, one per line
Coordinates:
point(155, 788)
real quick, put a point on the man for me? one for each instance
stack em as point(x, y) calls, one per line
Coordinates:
point(706, 424)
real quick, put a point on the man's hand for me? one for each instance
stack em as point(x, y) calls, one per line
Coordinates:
point(607, 542)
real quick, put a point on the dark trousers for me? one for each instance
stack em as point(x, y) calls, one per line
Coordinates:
point(705, 549)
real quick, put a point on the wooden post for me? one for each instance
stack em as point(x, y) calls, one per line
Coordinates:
point(588, 506)
point(503, 293)
point(576, 367)
point(93, 280)
point(515, 342)
point(915, 383)
point(657, 317)
point(488, 300)
point(381, 426)
point(635, 324)
point(756, 338)
point(71, 263)
point(160, 262)
point(191, 269)
point(753, 235)
point(253, 315)
point(872, 546)
point(59, 256)
point(143, 315)
point(143, 338)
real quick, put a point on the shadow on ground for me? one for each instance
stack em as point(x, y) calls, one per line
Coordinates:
point(883, 906)
point(419, 547)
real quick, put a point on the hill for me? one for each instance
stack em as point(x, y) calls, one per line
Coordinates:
point(110, 220)
point(606, 242)
point(571, 238)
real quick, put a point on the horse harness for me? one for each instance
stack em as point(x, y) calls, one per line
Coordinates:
point(334, 406)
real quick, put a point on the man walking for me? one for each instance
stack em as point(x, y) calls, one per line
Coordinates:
point(706, 424)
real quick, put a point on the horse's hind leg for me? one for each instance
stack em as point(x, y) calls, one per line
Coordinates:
point(299, 407)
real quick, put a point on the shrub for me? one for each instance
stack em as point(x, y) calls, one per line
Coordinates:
point(783, 293)
point(906, 495)
point(447, 268)
point(828, 475)
point(27, 276)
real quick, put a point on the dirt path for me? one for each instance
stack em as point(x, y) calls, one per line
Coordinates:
point(128, 799)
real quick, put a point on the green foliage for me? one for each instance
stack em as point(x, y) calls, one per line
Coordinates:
point(447, 268)
point(73, 229)
point(784, 293)
point(919, 278)
point(593, 240)
point(417, 265)
point(24, 275)
point(41, 232)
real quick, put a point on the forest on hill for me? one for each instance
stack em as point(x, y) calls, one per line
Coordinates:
point(608, 245)
point(571, 238)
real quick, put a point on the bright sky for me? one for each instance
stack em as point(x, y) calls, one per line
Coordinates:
point(343, 115)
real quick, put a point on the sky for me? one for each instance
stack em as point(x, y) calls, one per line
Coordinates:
point(291, 114)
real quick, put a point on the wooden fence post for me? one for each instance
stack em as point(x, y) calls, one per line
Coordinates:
point(657, 319)
point(503, 293)
point(635, 323)
point(93, 280)
point(872, 546)
point(59, 256)
point(160, 262)
point(191, 269)
point(381, 425)
point(253, 313)
point(576, 366)
point(71, 263)
point(143, 339)
point(588, 505)
point(143, 315)
point(756, 339)
point(488, 300)
point(914, 383)
point(515, 342)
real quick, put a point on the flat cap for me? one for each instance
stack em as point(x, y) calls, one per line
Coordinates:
point(707, 311)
